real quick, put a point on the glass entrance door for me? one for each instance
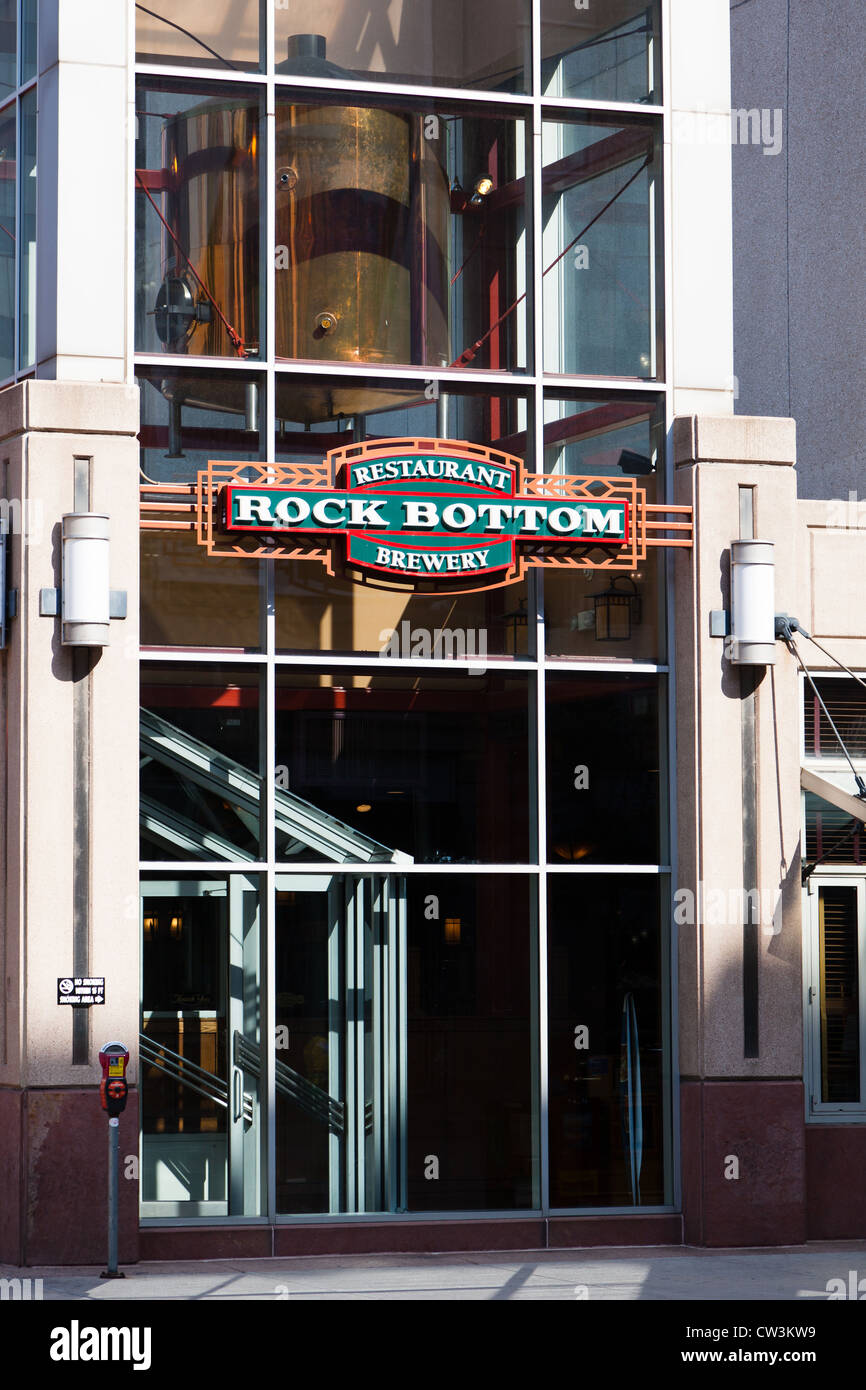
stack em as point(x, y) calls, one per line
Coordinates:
point(200, 1047)
point(340, 1060)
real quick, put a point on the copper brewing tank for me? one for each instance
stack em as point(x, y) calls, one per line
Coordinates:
point(361, 260)
point(211, 155)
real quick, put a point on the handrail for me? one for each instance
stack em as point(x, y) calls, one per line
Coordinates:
point(305, 1093)
point(202, 1082)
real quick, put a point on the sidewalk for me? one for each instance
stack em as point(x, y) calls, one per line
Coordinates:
point(626, 1275)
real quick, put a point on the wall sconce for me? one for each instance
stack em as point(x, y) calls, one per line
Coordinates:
point(616, 610)
point(85, 591)
point(151, 928)
point(84, 600)
point(753, 603)
point(452, 931)
point(175, 927)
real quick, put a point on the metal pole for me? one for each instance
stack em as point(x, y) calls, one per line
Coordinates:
point(112, 1271)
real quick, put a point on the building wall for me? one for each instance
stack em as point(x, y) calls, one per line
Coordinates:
point(799, 299)
point(68, 770)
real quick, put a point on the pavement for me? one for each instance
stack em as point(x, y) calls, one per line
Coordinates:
point(804, 1273)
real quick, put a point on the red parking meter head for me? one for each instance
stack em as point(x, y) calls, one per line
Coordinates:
point(114, 1059)
point(113, 1093)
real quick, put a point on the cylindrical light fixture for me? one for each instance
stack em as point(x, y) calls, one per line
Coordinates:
point(753, 603)
point(85, 588)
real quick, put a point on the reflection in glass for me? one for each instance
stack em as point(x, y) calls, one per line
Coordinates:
point(220, 34)
point(845, 702)
point(27, 233)
point(7, 242)
point(425, 764)
point(832, 836)
point(840, 993)
point(608, 1108)
point(606, 52)
point(197, 221)
point(8, 46)
point(602, 769)
point(340, 1043)
point(441, 43)
point(192, 599)
point(189, 418)
point(605, 438)
point(600, 281)
point(200, 1047)
point(200, 785)
point(29, 10)
point(399, 238)
point(470, 1044)
point(317, 612)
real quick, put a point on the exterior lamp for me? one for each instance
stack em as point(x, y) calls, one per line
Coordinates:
point(483, 186)
point(85, 589)
point(616, 610)
point(753, 597)
point(452, 931)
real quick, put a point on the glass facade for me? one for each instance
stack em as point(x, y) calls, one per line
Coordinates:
point(834, 852)
point(405, 856)
point(18, 59)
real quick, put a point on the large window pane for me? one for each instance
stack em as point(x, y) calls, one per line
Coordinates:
point(443, 43)
point(8, 47)
point(603, 769)
point(200, 784)
point(607, 51)
point(845, 702)
point(400, 236)
point(601, 291)
point(8, 170)
point(29, 11)
point(192, 599)
point(595, 614)
point(838, 964)
point(189, 418)
point(27, 227)
point(609, 1108)
point(202, 1116)
point(197, 221)
point(433, 766)
point(471, 1121)
point(199, 33)
point(318, 612)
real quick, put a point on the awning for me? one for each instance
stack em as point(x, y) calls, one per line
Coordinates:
point(828, 791)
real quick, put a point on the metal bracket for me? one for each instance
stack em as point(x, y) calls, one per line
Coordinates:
point(49, 603)
point(720, 623)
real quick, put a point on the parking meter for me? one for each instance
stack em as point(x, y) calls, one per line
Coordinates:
point(113, 1090)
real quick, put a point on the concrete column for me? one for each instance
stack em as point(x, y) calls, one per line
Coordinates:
point(69, 788)
point(700, 323)
point(738, 758)
point(85, 133)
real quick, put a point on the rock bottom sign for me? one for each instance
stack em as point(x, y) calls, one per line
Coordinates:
point(412, 513)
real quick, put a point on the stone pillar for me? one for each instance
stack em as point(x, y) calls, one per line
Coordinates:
point(738, 911)
point(86, 190)
point(69, 844)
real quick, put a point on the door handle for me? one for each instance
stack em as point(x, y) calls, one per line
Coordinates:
point(237, 1093)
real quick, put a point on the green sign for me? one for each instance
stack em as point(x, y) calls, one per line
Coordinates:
point(428, 515)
